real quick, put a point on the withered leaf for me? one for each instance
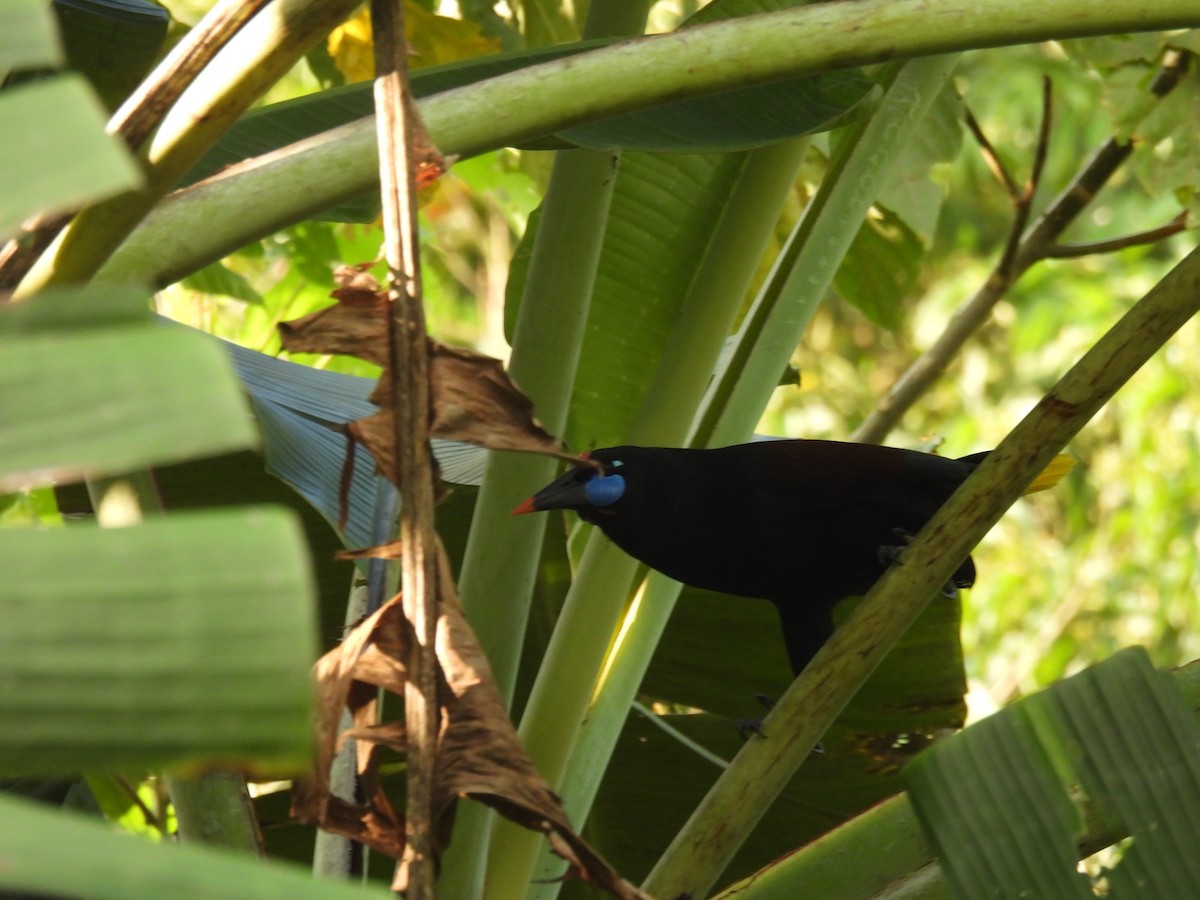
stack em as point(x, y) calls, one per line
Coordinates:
point(355, 326)
point(478, 753)
point(472, 398)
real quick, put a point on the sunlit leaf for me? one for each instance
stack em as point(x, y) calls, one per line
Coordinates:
point(55, 154)
point(160, 394)
point(183, 640)
point(1002, 800)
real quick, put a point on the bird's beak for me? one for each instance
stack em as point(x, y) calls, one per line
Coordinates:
point(565, 493)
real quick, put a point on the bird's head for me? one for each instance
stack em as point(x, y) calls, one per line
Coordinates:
point(594, 486)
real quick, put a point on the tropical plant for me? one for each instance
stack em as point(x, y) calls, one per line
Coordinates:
point(638, 310)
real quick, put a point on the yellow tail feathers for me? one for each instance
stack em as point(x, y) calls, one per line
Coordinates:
point(1052, 474)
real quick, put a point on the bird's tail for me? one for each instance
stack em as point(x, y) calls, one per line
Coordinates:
point(1051, 475)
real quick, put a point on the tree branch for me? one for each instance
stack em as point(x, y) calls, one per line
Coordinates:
point(1038, 244)
point(990, 157)
point(225, 213)
point(1150, 236)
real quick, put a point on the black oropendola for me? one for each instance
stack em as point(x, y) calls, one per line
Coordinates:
point(801, 523)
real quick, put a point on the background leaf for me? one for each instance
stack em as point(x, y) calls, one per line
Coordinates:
point(112, 43)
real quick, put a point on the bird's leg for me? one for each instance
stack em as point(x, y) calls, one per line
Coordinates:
point(747, 727)
point(890, 555)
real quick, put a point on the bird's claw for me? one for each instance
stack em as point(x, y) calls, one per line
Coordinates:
point(890, 555)
point(748, 727)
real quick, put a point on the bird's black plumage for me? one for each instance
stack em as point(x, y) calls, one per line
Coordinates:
point(798, 522)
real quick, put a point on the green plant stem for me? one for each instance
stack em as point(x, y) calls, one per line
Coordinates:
point(768, 337)
point(805, 269)
point(502, 550)
point(717, 828)
point(546, 345)
point(559, 698)
point(707, 315)
point(228, 212)
point(888, 832)
point(721, 282)
point(253, 60)
point(215, 808)
point(558, 703)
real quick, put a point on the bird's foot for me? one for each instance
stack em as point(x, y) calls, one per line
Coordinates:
point(890, 555)
point(748, 727)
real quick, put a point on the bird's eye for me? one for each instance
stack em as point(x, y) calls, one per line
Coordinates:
point(604, 490)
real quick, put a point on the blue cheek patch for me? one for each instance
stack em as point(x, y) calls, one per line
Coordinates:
point(604, 490)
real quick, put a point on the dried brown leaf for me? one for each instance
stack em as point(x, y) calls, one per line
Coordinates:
point(355, 326)
point(390, 550)
point(479, 754)
point(475, 401)
point(472, 398)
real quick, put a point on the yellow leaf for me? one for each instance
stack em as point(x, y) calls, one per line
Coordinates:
point(432, 40)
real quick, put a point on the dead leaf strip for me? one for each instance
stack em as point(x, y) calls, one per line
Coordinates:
point(472, 398)
point(479, 754)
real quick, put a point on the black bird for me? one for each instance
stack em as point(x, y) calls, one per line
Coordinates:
point(802, 523)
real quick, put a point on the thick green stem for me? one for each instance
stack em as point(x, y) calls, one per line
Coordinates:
point(560, 695)
point(805, 269)
point(707, 315)
point(558, 705)
point(721, 823)
point(554, 307)
point(503, 550)
point(215, 808)
point(204, 223)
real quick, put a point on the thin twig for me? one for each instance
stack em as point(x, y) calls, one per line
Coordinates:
point(398, 165)
point(1039, 243)
point(1150, 236)
point(990, 157)
point(1005, 272)
point(129, 789)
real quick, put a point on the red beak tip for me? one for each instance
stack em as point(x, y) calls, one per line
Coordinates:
point(526, 507)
